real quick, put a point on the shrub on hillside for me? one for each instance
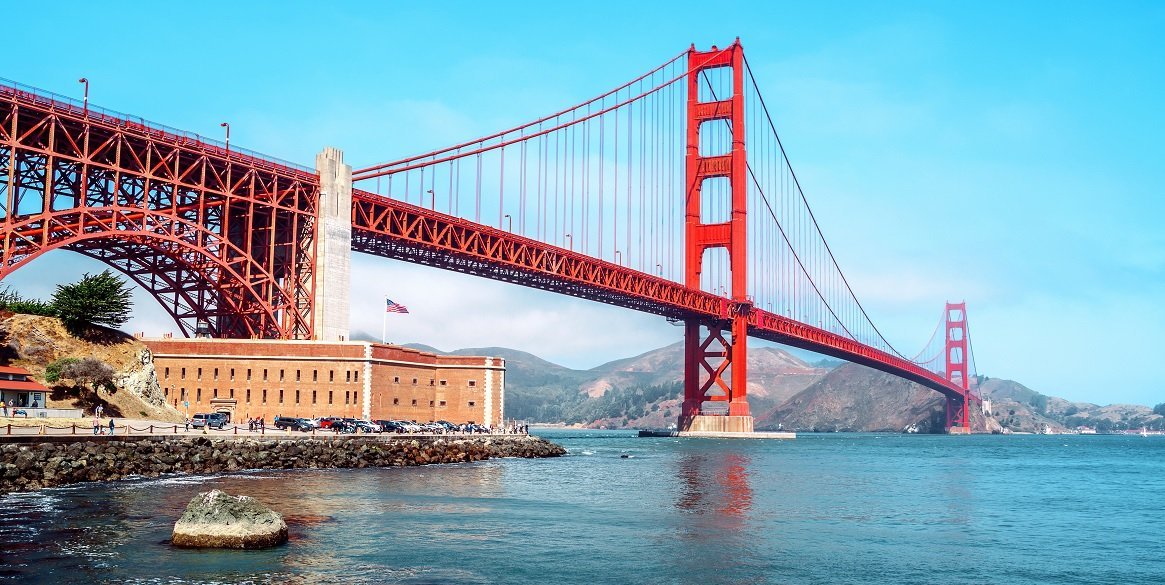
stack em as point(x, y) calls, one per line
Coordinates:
point(11, 300)
point(90, 372)
point(53, 371)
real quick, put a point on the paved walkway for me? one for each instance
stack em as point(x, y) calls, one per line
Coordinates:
point(143, 427)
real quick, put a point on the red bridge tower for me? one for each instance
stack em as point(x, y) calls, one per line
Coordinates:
point(958, 413)
point(714, 367)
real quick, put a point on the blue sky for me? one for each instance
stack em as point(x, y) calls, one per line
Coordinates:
point(1008, 154)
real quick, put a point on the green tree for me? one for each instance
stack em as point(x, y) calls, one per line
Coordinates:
point(1159, 409)
point(102, 299)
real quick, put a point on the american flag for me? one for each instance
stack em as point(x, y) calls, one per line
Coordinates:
point(395, 307)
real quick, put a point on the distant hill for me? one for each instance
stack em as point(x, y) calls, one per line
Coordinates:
point(854, 398)
point(642, 391)
point(785, 391)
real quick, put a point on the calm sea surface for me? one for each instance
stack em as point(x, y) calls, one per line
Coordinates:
point(821, 509)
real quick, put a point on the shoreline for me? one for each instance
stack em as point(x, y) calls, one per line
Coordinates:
point(35, 462)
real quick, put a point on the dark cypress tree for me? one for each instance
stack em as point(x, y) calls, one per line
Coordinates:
point(102, 299)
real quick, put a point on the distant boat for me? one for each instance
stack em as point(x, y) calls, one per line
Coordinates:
point(1144, 432)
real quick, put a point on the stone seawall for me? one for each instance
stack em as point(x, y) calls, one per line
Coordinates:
point(54, 461)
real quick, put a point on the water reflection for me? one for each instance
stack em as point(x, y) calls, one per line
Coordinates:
point(715, 483)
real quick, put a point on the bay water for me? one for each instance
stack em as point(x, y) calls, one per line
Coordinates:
point(832, 508)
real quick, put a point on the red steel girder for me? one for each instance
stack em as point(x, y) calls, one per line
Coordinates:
point(213, 234)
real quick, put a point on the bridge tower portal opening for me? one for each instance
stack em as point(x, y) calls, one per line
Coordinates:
point(715, 367)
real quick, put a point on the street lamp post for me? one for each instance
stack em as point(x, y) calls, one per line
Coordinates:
point(432, 200)
point(619, 257)
point(227, 125)
point(659, 268)
point(509, 223)
point(85, 80)
point(571, 238)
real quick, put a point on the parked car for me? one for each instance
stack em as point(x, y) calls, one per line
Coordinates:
point(326, 422)
point(342, 426)
point(363, 426)
point(293, 423)
point(208, 420)
point(390, 426)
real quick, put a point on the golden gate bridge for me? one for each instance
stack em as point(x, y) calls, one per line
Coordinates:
point(671, 194)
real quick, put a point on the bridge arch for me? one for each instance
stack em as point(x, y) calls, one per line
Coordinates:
point(180, 263)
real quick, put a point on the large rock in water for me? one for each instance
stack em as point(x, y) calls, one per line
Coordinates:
point(216, 519)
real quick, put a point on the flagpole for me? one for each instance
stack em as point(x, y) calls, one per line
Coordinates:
point(384, 323)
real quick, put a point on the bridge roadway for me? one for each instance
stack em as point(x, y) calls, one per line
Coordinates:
point(402, 231)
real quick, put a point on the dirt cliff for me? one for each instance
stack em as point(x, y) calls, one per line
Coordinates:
point(34, 342)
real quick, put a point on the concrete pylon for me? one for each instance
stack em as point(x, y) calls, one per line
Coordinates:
point(334, 248)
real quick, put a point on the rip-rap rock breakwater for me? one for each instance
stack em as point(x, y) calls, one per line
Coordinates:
point(55, 461)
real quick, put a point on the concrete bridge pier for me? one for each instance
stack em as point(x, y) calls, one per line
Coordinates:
point(333, 259)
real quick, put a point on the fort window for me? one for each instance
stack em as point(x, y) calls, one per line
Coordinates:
point(347, 396)
point(331, 376)
point(430, 404)
point(167, 372)
point(248, 374)
point(264, 374)
point(264, 396)
point(472, 383)
point(166, 391)
point(215, 395)
point(395, 401)
point(315, 375)
point(356, 376)
point(183, 373)
point(297, 375)
point(280, 375)
point(442, 403)
point(232, 374)
point(329, 396)
point(198, 395)
point(297, 396)
point(313, 396)
point(182, 393)
point(414, 381)
point(248, 395)
point(216, 374)
point(395, 379)
point(472, 404)
point(432, 382)
point(348, 376)
point(444, 382)
point(414, 402)
point(281, 396)
point(199, 375)
point(232, 393)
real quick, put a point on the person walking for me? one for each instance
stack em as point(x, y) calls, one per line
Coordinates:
point(4, 408)
point(96, 425)
point(111, 425)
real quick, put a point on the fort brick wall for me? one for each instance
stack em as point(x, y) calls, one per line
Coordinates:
point(265, 378)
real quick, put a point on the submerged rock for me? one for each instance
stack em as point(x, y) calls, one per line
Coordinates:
point(216, 519)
